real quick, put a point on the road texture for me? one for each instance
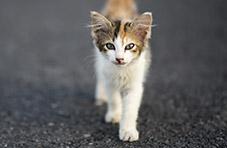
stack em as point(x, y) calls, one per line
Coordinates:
point(47, 77)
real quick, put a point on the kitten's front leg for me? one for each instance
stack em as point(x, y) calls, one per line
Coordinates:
point(114, 109)
point(100, 95)
point(131, 103)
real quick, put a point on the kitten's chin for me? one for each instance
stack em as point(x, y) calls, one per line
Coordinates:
point(120, 64)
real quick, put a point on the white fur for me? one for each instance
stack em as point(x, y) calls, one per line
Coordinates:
point(122, 85)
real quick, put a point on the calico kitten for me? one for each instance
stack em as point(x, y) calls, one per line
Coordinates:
point(122, 61)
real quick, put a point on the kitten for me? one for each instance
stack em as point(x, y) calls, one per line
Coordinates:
point(123, 59)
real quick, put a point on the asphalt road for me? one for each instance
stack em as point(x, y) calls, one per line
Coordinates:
point(47, 77)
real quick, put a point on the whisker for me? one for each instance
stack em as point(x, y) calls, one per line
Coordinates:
point(93, 25)
point(144, 25)
point(87, 57)
point(155, 25)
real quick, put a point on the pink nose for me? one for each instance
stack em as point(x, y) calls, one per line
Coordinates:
point(120, 60)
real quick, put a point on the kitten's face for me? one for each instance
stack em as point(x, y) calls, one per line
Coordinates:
point(121, 42)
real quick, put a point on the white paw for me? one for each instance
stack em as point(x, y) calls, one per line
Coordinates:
point(112, 117)
point(129, 135)
point(100, 102)
point(100, 99)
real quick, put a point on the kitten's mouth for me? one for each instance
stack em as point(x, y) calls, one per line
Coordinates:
point(120, 64)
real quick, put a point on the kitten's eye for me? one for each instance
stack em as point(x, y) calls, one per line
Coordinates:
point(110, 46)
point(129, 46)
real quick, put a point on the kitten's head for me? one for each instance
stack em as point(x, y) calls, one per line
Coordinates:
point(121, 42)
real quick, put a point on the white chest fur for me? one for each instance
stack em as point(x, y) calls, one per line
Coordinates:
point(122, 76)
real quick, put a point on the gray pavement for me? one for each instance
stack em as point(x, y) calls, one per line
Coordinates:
point(47, 77)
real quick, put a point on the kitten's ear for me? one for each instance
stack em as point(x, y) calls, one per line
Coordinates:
point(100, 25)
point(141, 26)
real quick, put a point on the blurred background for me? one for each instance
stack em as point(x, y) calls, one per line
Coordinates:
point(47, 78)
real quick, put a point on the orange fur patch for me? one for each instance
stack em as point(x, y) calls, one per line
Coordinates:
point(120, 9)
point(122, 31)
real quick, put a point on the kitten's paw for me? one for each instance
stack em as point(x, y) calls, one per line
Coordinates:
point(128, 135)
point(113, 117)
point(100, 102)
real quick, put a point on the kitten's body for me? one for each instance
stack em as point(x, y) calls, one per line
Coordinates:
point(121, 72)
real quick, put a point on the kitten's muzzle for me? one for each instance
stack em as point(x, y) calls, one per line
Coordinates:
point(120, 60)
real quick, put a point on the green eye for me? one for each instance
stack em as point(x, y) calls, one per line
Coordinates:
point(129, 46)
point(110, 46)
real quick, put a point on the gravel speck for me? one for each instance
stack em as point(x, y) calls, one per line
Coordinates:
point(69, 143)
point(50, 124)
point(87, 135)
